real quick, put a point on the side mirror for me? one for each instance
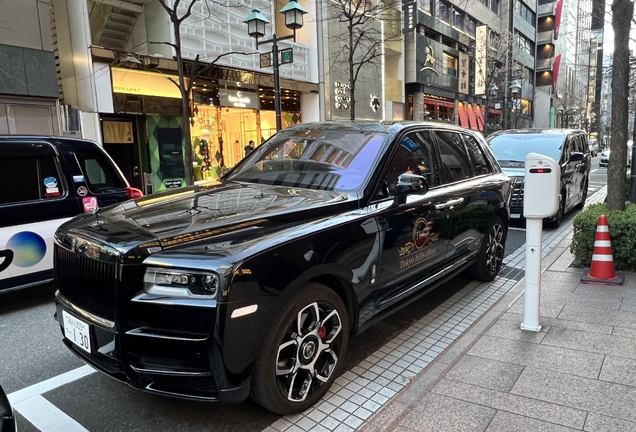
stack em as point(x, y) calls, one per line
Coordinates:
point(576, 156)
point(410, 184)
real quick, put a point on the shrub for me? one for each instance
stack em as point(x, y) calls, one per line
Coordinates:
point(622, 227)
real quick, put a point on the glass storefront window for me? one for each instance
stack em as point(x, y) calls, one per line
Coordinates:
point(220, 134)
point(450, 65)
point(205, 142)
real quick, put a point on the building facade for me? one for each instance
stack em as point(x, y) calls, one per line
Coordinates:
point(563, 63)
point(28, 87)
point(117, 70)
point(447, 51)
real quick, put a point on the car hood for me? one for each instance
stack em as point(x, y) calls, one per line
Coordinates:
point(225, 211)
point(514, 172)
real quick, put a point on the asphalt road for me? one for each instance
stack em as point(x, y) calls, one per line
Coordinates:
point(31, 351)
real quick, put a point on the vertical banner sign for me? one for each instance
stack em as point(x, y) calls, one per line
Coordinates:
point(480, 60)
point(464, 72)
point(552, 117)
point(557, 18)
point(555, 72)
point(409, 9)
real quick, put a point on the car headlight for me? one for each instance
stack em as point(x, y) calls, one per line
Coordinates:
point(181, 283)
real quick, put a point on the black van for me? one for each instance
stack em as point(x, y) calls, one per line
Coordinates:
point(569, 147)
point(44, 181)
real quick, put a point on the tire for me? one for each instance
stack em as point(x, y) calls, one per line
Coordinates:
point(295, 348)
point(559, 215)
point(491, 251)
point(583, 197)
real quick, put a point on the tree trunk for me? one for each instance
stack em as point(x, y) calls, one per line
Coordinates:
point(185, 110)
point(622, 13)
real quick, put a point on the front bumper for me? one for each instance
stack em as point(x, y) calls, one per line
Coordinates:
point(176, 362)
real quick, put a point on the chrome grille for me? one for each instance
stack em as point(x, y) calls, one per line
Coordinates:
point(86, 282)
point(516, 201)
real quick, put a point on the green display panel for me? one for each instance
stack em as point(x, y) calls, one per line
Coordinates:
point(167, 151)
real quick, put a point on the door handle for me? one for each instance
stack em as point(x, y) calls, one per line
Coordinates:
point(135, 171)
point(449, 203)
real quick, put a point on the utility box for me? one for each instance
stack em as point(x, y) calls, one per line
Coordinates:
point(541, 187)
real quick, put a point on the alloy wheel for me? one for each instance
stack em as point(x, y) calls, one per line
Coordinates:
point(308, 353)
point(495, 251)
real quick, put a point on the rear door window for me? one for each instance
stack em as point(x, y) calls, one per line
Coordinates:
point(477, 158)
point(455, 161)
point(29, 178)
point(99, 173)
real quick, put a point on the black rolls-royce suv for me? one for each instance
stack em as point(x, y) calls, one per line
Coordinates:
point(254, 284)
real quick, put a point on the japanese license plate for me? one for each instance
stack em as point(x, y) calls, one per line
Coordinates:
point(515, 216)
point(77, 331)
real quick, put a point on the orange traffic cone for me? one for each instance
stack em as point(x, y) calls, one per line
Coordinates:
point(602, 267)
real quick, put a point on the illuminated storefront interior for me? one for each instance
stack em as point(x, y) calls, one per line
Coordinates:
point(225, 120)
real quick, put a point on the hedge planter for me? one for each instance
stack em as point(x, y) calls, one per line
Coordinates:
point(622, 227)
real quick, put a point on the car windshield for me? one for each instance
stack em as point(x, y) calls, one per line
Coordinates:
point(326, 159)
point(514, 147)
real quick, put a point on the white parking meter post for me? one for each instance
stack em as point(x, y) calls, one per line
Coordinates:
point(540, 200)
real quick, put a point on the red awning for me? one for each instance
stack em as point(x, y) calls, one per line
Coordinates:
point(439, 102)
point(480, 118)
point(494, 111)
point(463, 119)
point(471, 116)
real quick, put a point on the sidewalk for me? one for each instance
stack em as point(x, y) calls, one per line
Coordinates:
point(576, 374)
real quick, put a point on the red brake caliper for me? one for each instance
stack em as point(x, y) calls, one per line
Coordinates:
point(322, 332)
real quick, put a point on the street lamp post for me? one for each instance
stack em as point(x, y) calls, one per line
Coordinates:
point(256, 28)
point(515, 90)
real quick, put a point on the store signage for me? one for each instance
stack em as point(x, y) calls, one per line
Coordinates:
point(464, 72)
point(343, 95)
point(171, 184)
point(266, 60)
point(429, 61)
point(480, 60)
point(144, 83)
point(552, 117)
point(409, 9)
point(286, 56)
point(238, 99)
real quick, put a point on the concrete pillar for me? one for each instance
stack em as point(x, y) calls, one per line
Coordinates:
point(309, 107)
point(418, 106)
point(76, 63)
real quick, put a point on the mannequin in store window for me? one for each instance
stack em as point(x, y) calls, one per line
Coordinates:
point(204, 150)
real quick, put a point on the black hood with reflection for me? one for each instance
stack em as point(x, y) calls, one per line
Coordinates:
point(226, 210)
